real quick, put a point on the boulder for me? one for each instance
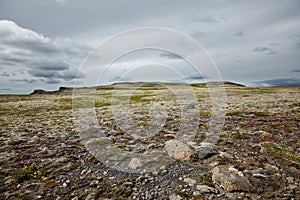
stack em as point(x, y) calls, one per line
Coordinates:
point(230, 180)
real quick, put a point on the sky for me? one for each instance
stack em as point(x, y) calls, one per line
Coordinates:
point(44, 44)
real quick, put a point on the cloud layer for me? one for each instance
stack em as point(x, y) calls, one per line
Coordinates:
point(36, 58)
point(42, 43)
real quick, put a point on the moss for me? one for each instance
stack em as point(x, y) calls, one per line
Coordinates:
point(297, 104)
point(280, 151)
point(204, 114)
point(64, 100)
point(74, 166)
point(180, 193)
point(28, 173)
point(139, 99)
point(49, 182)
point(262, 90)
point(235, 135)
point(102, 104)
point(207, 180)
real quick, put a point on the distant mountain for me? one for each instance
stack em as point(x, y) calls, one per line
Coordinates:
point(279, 82)
point(145, 84)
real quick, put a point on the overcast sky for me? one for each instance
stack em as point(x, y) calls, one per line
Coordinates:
point(44, 42)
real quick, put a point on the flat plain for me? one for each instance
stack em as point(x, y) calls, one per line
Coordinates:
point(257, 155)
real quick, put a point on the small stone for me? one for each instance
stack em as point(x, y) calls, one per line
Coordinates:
point(196, 193)
point(271, 167)
point(64, 185)
point(206, 189)
point(190, 181)
point(213, 164)
point(74, 198)
point(155, 173)
point(206, 150)
point(10, 181)
point(174, 197)
point(94, 183)
point(230, 196)
point(260, 175)
point(292, 187)
point(179, 150)
point(135, 163)
point(225, 155)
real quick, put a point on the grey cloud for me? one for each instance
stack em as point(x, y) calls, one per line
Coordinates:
point(52, 81)
point(197, 17)
point(205, 19)
point(274, 44)
point(5, 89)
point(5, 74)
point(195, 76)
point(279, 82)
point(52, 66)
point(296, 70)
point(170, 55)
point(62, 2)
point(42, 57)
point(296, 38)
point(115, 79)
point(261, 49)
point(25, 80)
point(239, 33)
point(267, 50)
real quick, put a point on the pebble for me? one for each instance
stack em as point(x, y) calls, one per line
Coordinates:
point(230, 196)
point(190, 181)
point(206, 189)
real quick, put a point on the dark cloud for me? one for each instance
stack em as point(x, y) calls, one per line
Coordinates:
point(25, 80)
point(295, 38)
point(267, 50)
point(296, 70)
point(58, 66)
point(279, 82)
point(5, 74)
point(170, 55)
point(261, 49)
point(239, 33)
point(195, 76)
point(5, 89)
point(52, 81)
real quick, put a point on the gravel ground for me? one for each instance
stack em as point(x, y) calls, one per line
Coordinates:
point(42, 155)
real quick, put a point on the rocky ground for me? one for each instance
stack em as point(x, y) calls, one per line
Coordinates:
point(257, 155)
